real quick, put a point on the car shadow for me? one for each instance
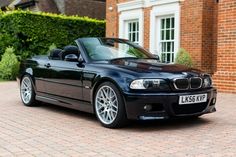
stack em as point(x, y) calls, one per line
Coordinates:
point(170, 124)
point(67, 111)
point(135, 125)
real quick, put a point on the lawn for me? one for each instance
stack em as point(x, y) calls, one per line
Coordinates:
point(1, 80)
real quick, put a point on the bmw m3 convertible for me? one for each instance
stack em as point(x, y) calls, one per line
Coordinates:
point(117, 80)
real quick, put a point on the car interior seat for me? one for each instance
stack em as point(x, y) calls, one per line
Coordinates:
point(54, 54)
point(71, 49)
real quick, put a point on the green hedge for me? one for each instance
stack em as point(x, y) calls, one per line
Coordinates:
point(184, 58)
point(33, 33)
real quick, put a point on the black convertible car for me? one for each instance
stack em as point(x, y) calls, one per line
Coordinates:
point(117, 80)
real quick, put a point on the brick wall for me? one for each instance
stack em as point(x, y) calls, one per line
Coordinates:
point(146, 39)
point(191, 29)
point(197, 31)
point(90, 8)
point(112, 17)
point(225, 75)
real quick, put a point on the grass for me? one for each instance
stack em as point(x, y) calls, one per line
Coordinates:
point(1, 80)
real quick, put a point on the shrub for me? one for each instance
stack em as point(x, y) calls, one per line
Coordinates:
point(184, 58)
point(9, 65)
point(33, 33)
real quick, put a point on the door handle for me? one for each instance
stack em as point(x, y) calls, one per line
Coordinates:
point(48, 65)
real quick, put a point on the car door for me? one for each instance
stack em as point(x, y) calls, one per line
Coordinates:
point(41, 72)
point(65, 79)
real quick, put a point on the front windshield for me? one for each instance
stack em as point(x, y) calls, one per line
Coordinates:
point(109, 49)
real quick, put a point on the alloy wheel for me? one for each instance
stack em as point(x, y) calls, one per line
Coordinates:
point(106, 104)
point(26, 90)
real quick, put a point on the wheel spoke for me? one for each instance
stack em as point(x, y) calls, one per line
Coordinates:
point(113, 110)
point(102, 112)
point(106, 116)
point(103, 94)
point(25, 84)
point(112, 115)
point(100, 107)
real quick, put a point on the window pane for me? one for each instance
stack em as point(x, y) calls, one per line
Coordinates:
point(137, 39)
point(173, 46)
point(168, 57)
point(167, 34)
point(172, 22)
point(130, 36)
point(133, 34)
point(130, 27)
point(168, 23)
point(134, 26)
point(168, 46)
point(164, 47)
point(163, 57)
point(162, 35)
point(162, 23)
point(172, 34)
point(137, 26)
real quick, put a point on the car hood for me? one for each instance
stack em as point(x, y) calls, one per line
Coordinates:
point(152, 67)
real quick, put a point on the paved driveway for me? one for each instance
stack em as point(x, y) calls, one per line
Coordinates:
point(49, 130)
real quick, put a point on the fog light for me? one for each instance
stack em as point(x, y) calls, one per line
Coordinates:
point(147, 107)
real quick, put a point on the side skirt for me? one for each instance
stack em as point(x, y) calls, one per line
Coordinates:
point(66, 102)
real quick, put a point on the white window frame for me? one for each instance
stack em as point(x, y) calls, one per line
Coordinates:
point(125, 17)
point(128, 32)
point(158, 12)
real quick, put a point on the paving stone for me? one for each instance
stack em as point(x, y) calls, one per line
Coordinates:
point(49, 130)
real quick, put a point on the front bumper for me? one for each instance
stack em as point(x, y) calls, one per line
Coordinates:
point(165, 105)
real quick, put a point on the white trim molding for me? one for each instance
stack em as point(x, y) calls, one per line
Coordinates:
point(126, 16)
point(161, 2)
point(136, 4)
point(168, 9)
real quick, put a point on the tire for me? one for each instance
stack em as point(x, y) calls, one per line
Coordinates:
point(27, 92)
point(109, 106)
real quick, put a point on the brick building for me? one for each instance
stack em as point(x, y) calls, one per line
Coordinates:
point(205, 28)
point(90, 8)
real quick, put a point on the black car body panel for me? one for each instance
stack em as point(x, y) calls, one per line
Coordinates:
point(73, 84)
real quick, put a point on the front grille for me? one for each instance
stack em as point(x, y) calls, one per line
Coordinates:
point(195, 83)
point(188, 83)
point(181, 84)
point(189, 108)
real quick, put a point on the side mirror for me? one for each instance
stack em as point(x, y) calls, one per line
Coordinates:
point(71, 58)
point(157, 57)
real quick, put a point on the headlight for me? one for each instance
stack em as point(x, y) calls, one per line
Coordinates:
point(147, 83)
point(207, 82)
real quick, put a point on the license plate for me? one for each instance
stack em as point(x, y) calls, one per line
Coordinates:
point(192, 99)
